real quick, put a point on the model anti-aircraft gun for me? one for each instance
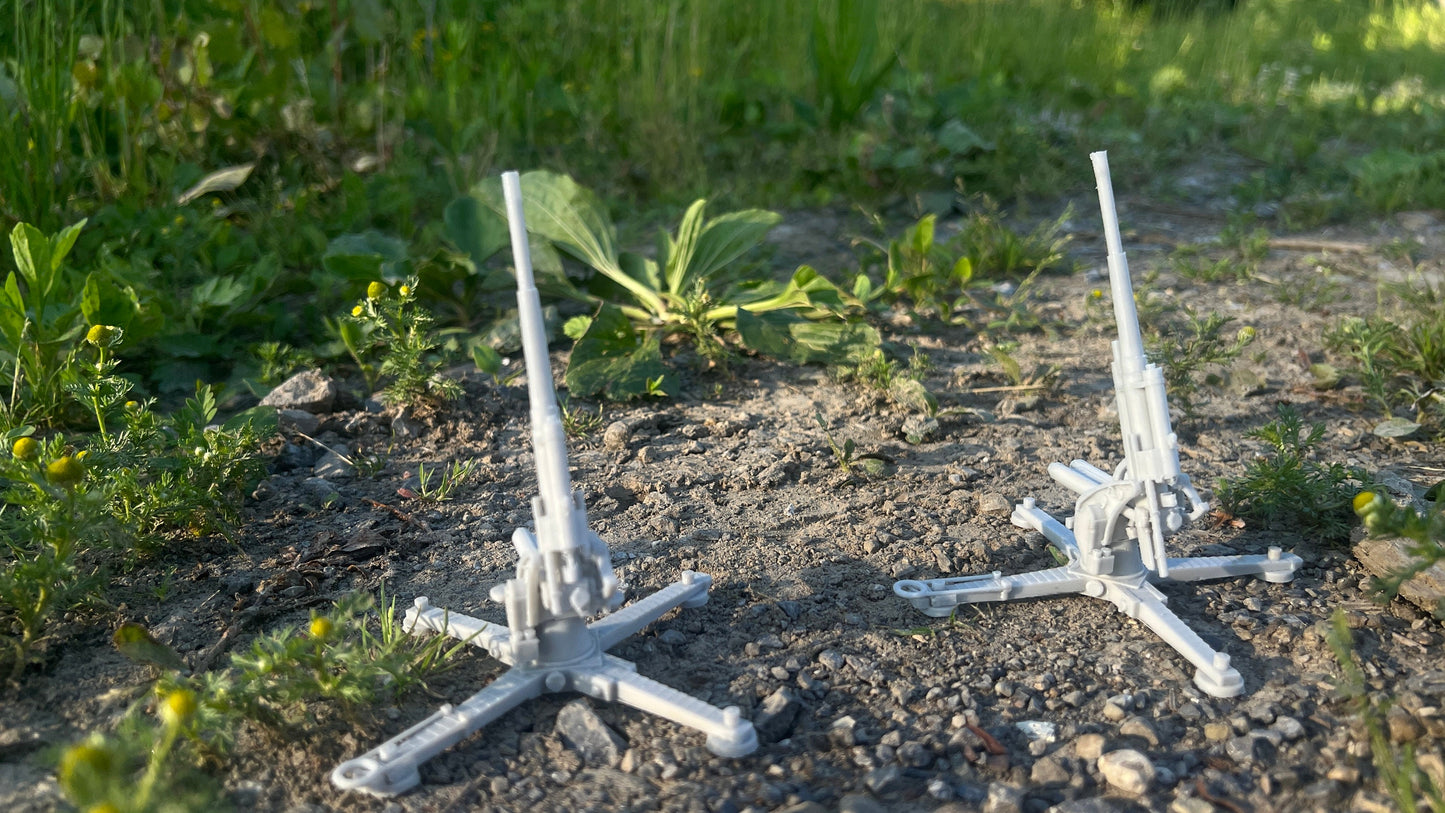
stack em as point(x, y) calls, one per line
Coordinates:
point(1115, 539)
point(564, 576)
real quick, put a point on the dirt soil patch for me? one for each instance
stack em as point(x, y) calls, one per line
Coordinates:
point(1003, 707)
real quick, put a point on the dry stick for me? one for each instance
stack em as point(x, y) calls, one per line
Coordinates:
point(1016, 388)
point(1303, 244)
point(1203, 791)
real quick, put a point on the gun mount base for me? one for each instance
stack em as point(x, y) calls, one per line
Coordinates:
point(1133, 594)
point(572, 663)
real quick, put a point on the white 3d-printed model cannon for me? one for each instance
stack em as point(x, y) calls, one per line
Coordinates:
point(1115, 539)
point(564, 576)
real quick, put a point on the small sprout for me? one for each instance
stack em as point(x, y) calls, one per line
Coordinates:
point(376, 290)
point(26, 449)
point(65, 471)
point(178, 707)
point(321, 627)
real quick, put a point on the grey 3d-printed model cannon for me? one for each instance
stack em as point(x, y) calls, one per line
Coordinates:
point(1115, 539)
point(564, 576)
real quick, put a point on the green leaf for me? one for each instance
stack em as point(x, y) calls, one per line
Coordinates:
point(367, 256)
point(62, 243)
point(680, 251)
point(487, 359)
point(12, 313)
point(576, 327)
point(788, 337)
point(32, 255)
point(476, 230)
point(560, 210)
point(957, 138)
point(615, 359)
point(259, 419)
point(1395, 428)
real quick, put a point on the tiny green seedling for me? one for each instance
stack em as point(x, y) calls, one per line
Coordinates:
point(434, 487)
point(866, 466)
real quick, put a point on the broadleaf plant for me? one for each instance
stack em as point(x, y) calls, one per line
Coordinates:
point(692, 288)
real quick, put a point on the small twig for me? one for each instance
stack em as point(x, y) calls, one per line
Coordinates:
point(992, 745)
point(397, 512)
point(1203, 791)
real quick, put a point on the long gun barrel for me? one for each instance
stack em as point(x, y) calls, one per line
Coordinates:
point(1151, 449)
point(560, 525)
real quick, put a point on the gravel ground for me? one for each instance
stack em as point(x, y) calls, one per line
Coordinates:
point(862, 703)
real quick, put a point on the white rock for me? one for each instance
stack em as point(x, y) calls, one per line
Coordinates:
point(1128, 770)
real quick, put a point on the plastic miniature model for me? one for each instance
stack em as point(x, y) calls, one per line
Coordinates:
point(1115, 539)
point(564, 576)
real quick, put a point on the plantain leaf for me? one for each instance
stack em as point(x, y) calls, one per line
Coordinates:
point(615, 359)
point(788, 337)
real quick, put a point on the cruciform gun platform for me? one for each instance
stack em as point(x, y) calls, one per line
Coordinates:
point(564, 576)
point(1115, 539)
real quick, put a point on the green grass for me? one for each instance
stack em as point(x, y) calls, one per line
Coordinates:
point(371, 114)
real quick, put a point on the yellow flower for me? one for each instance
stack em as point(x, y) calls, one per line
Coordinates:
point(103, 807)
point(321, 627)
point(26, 449)
point(64, 471)
point(86, 757)
point(405, 290)
point(376, 290)
point(103, 335)
point(1246, 335)
point(178, 707)
point(1364, 500)
point(356, 311)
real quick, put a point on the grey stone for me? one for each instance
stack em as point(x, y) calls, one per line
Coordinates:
point(1402, 725)
point(1049, 772)
point(915, 754)
point(320, 489)
point(803, 807)
point(1089, 746)
point(309, 391)
point(1003, 799)
point(1249, 748)
point(1288, 727)
point(831, 660)
point(335, 464)
point(1128, 770)
point(1190, 804)
point(884, 780)
point(616, 436)
point(778, 714)
point(992, 502)
point(296, 420)
point(1094, 804)
point(583, 731)
point(858, 803)
point(1141, 728)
